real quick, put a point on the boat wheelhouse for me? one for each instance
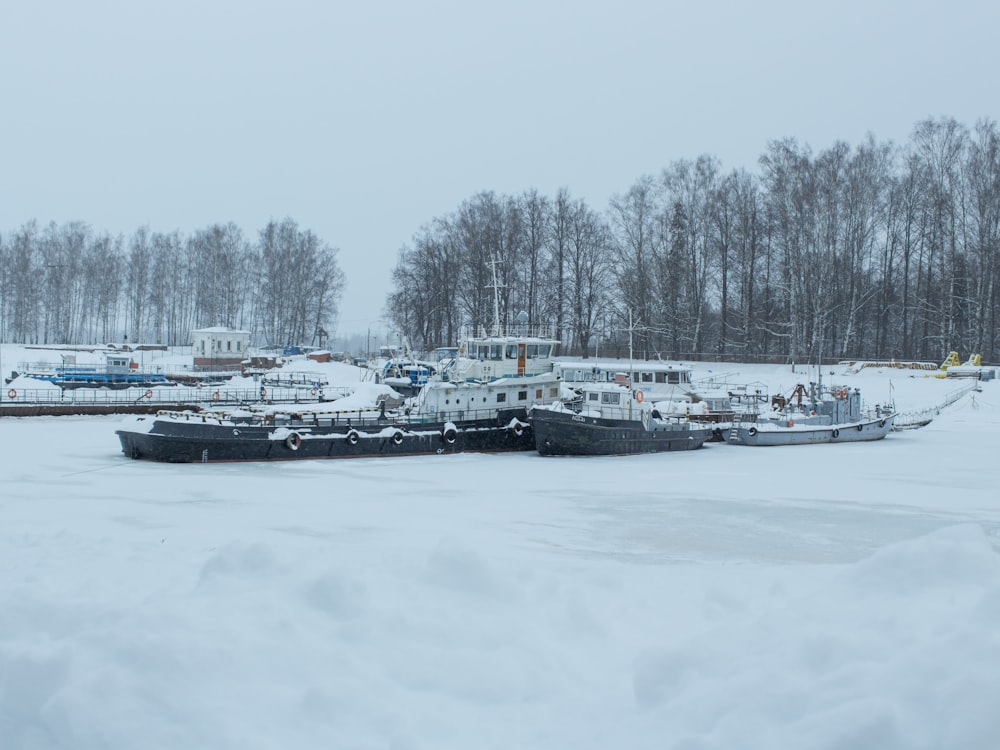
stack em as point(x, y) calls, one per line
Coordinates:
point(491, 356)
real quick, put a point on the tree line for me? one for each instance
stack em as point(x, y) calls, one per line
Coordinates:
point(68, 283)
point(871, 251)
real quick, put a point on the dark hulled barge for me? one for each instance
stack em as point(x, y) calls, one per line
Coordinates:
point(479, 403)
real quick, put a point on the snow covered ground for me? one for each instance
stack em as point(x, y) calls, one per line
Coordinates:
point(829, 596)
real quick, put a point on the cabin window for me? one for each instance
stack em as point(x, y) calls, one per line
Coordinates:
point(532, 351)
point(544, 350)
point(592, 396)
point(661, 377)
point(522, 395)
point(673, 378)
point(237, 346)
point(511, 351)
point(610, 398)
point(538, 394)
point(229, 346)
point(646, 377)
point(553, 393)
point(203, 346)
point(501, 398)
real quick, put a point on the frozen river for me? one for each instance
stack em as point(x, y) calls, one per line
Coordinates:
point(810, 596)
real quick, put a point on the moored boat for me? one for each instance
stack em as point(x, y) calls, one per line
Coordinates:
point(119, 371)
point(813, 415)
point(476, 404)
point(659, 381)
point(609, 420)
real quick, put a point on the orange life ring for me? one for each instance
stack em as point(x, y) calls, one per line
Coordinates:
point(149, 394)
point(639, 397)
point(215, 396)
point(12, 394)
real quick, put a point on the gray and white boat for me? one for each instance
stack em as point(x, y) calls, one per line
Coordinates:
point(813, 415)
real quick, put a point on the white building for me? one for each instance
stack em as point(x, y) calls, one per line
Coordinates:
point(220, 346)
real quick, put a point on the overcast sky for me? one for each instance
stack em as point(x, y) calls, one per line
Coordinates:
point(364, 121)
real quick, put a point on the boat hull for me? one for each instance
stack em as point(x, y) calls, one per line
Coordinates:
point(178, 441)
point(558, 433)
point(769, 435)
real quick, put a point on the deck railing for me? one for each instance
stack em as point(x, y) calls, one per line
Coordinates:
point(11, 396)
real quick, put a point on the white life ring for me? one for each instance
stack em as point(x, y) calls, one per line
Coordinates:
point(397, 437)
point(517, 429)
point(293, 441)
point(353, 437)
point(450, 435)
point(835, 434)
point(149, 394)
point(312, 392)
point(752, 431)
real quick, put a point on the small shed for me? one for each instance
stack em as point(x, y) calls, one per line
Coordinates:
point(220, 346)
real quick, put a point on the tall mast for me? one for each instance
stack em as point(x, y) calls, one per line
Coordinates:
point(496, 298)
point(631, 365)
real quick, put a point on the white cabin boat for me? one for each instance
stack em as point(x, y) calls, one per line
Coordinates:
point(659, 381)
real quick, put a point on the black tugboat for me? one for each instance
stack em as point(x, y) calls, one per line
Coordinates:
point(479, 402)
point(611, 420)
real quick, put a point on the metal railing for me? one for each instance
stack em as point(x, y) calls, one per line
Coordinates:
point(167, 396)
point(917, 417)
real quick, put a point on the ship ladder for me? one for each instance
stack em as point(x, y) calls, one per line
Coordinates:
point(734, 428)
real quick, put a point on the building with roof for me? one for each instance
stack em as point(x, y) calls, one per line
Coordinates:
point(220, 346)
